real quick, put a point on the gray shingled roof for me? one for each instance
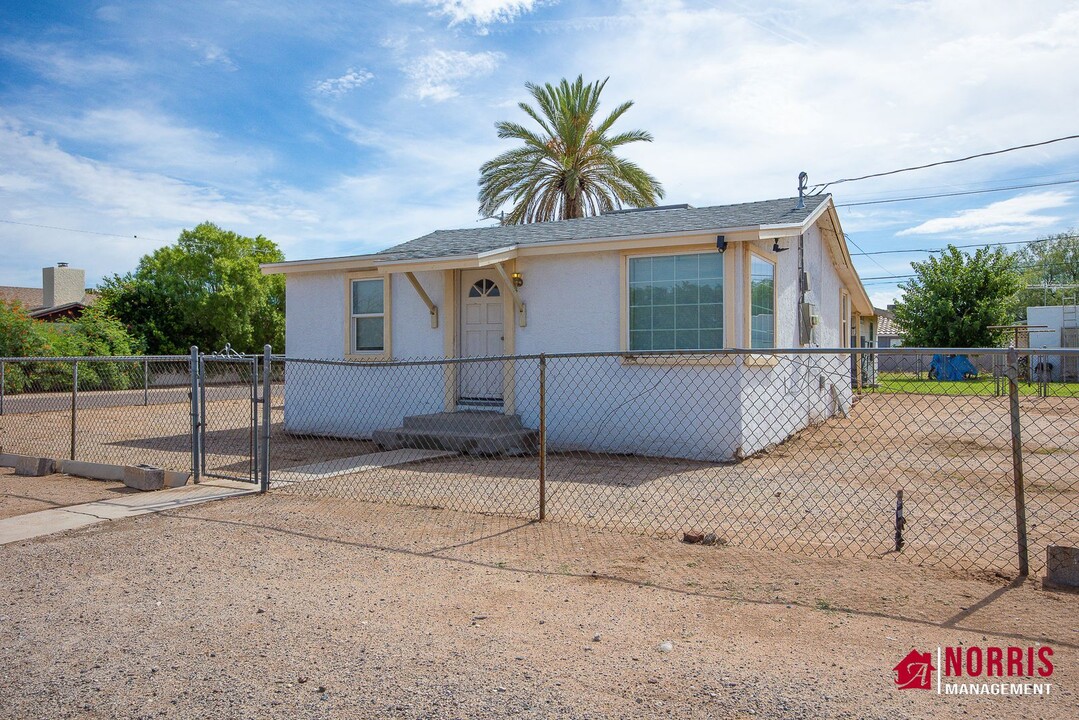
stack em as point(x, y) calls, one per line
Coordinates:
point(469, 241)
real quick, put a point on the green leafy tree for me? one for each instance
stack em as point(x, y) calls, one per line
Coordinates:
point(206, 289)
point(1051, 262)
point(95, 333)
point(955, 297)
point(569, 168)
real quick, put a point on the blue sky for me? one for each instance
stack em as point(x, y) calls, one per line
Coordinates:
point(339, 128)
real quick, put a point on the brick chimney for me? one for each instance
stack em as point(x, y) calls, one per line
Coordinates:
point(61, 285)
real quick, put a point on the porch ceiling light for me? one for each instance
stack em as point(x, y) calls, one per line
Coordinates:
point(518, 279)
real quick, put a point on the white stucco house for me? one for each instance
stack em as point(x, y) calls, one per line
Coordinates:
point(756, 275)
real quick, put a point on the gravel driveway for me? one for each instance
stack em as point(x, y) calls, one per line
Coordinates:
point(291, 607)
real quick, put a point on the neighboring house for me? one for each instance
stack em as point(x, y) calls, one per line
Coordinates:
point(1057, 327)
point(888, 333)
point(62, 294)
point(754, 275)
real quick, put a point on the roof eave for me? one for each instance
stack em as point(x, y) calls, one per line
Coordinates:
point(346, 262)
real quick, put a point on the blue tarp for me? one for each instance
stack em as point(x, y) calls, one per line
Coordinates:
point(949, 368)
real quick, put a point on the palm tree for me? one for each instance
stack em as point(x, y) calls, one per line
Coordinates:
point(570, 170)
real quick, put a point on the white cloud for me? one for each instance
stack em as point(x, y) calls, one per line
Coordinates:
point(212, 54)
point(336, 87)
point(1016, 214)
point(481, 12)
point(66, 64)
point(436, 75)
point(883, 298)
point(144, 139)
point(109, 13)
point(738, 105)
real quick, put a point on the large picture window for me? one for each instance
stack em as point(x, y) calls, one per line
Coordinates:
point(762, 290)
point(676, 302)
point(368, 316)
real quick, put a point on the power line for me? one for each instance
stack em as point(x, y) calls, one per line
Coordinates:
point(957, 193)
point(88, 232)
point(960, 247)
point(822, 186)
point(1033, 266)
point(849, 239)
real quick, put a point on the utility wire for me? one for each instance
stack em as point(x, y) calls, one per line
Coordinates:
point(1034, 266)
point(88, 232)
point(820, 188)
point(960, 247)
point(957, 194)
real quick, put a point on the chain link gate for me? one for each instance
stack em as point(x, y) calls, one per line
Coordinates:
point(226, 416)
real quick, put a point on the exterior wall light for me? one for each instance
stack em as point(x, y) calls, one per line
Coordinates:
point(518, 279)
point(721, 243)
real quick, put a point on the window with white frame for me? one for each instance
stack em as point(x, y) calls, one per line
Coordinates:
point(762, 303)
point(368, 316)
point(676, 302)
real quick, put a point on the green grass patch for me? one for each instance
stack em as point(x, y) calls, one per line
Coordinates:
point(986, 386)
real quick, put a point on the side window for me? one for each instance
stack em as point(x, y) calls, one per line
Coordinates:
point(368, 322)
point(762, 303)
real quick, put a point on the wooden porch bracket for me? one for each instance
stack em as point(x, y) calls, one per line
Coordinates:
point(522, 315)
point(425, 297)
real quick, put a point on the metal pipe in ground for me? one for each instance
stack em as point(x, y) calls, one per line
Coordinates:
point(1017, 463)
point(253, 420)
point(74, 403)
point(194, 369)
point(264, 456)
point(900, 521)
point(543, 437)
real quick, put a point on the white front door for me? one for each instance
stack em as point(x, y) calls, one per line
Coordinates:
point(481, 335)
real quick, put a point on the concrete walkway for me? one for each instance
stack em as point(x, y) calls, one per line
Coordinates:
point(46, 522)
point(352, 465)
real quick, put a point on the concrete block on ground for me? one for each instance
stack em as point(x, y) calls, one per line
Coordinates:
point(175, 479)
point(34, 466)
point(144, 477)
point(8, 459)
point(95, 471)
point(1062, 566)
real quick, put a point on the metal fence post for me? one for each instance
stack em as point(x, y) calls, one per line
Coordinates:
point(203, 424)
point(194, 364)
point(1017, 462)
point(900, 521)
point(145, 382)
point(74, 403)
point(1, 387)
point(253, 419)
point(264, 457)
point(543, 437)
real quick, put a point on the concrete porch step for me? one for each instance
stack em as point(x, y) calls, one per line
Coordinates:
point(473, 432)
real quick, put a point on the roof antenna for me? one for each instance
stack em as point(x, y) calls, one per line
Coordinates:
point(803, 183)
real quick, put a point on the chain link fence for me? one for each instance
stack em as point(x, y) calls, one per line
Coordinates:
point(122, 411)
point(824, 452)
point(135, 410)
point(809, 451)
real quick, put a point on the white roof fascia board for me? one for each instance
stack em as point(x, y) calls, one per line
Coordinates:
point(348, 262)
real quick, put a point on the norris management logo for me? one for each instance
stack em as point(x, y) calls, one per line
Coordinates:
point(978, 670)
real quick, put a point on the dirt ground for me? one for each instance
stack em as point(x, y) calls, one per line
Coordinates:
point(828, 491)
point(288, 607)
point(20, 495)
